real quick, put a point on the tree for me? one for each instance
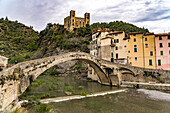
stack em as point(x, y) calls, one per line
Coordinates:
point(6, 18)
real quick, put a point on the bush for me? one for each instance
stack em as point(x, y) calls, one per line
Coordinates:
point(16, 59)
point(42, 108)
point(80, 87)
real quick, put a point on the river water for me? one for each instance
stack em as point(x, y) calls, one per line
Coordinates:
point(129, 101)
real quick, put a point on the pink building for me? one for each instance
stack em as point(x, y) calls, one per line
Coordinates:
point(162, 43)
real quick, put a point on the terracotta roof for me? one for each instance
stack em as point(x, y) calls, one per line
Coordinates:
point(148, 34)
point(125, 38)
point(1, 65)
point(115, 32)
point(104, 30)
point(131, 33)
point(101, 31)
point(162, 34)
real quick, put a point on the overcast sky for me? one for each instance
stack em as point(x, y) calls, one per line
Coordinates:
point(151, 14)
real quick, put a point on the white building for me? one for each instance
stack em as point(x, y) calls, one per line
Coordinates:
point(3, 61)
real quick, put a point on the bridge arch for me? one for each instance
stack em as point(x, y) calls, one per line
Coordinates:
point(32, 69)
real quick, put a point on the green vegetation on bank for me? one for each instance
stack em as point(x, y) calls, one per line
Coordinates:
point(50, 86)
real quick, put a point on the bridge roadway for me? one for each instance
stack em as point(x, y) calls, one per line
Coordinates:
point(15, 80)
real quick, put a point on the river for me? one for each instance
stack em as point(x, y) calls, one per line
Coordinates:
point(129, 101)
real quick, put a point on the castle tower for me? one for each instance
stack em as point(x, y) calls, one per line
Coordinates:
point(87, 18)
point(72, 19)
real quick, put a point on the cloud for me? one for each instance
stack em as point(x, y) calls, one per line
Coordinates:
point(40, 12)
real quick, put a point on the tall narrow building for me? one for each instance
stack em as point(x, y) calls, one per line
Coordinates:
point(141, 50)
point(162, 42)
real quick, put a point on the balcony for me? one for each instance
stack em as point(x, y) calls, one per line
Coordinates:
point(113, 45)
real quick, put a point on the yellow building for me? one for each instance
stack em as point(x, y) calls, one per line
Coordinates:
point(149, 50)
point(141, 50)
point(72, 22)
point(120, 52)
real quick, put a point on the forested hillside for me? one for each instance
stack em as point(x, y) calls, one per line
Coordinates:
point(119, 26)
point(17, 41)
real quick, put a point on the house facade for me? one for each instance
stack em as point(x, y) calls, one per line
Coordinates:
point(119, 47)
point(162, 42)
point(141, 50)
point(3, 62)
point(135, 49)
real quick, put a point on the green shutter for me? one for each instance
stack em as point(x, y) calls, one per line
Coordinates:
point(116, 55)
point(112, 54)
point(150, 62)
point(159, 62)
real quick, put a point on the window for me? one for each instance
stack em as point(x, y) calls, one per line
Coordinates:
point(125, 46)
point(159, 62)
point(150, 62)
point(161, 53)
point(128, 51)
point(116, 55)
point(73, 15)
point(134, 40)
point(116, 48)
point(135, 48)
point(146, 45)
point(134, 34)
point(111, 41)
point(112, 54)
point(116, 34)
point(136, 58)
point(169, 52)
point(116, 40)
point(146, 39)
point(93, 47)
point(111, 48)
point(151, 53)
point(94, 53)
point(73, 24)
point(73, 20)
point(168, 44)
point(160, 37)
point(160, 45)
point(168, 37)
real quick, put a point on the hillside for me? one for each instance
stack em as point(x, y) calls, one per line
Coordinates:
point(118, 26)
point(56, 40)
point(17, 41)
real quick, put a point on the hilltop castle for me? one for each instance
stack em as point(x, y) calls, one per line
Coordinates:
point(72, 22)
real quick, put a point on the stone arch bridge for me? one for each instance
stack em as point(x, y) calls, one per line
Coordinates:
point(15, 80)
